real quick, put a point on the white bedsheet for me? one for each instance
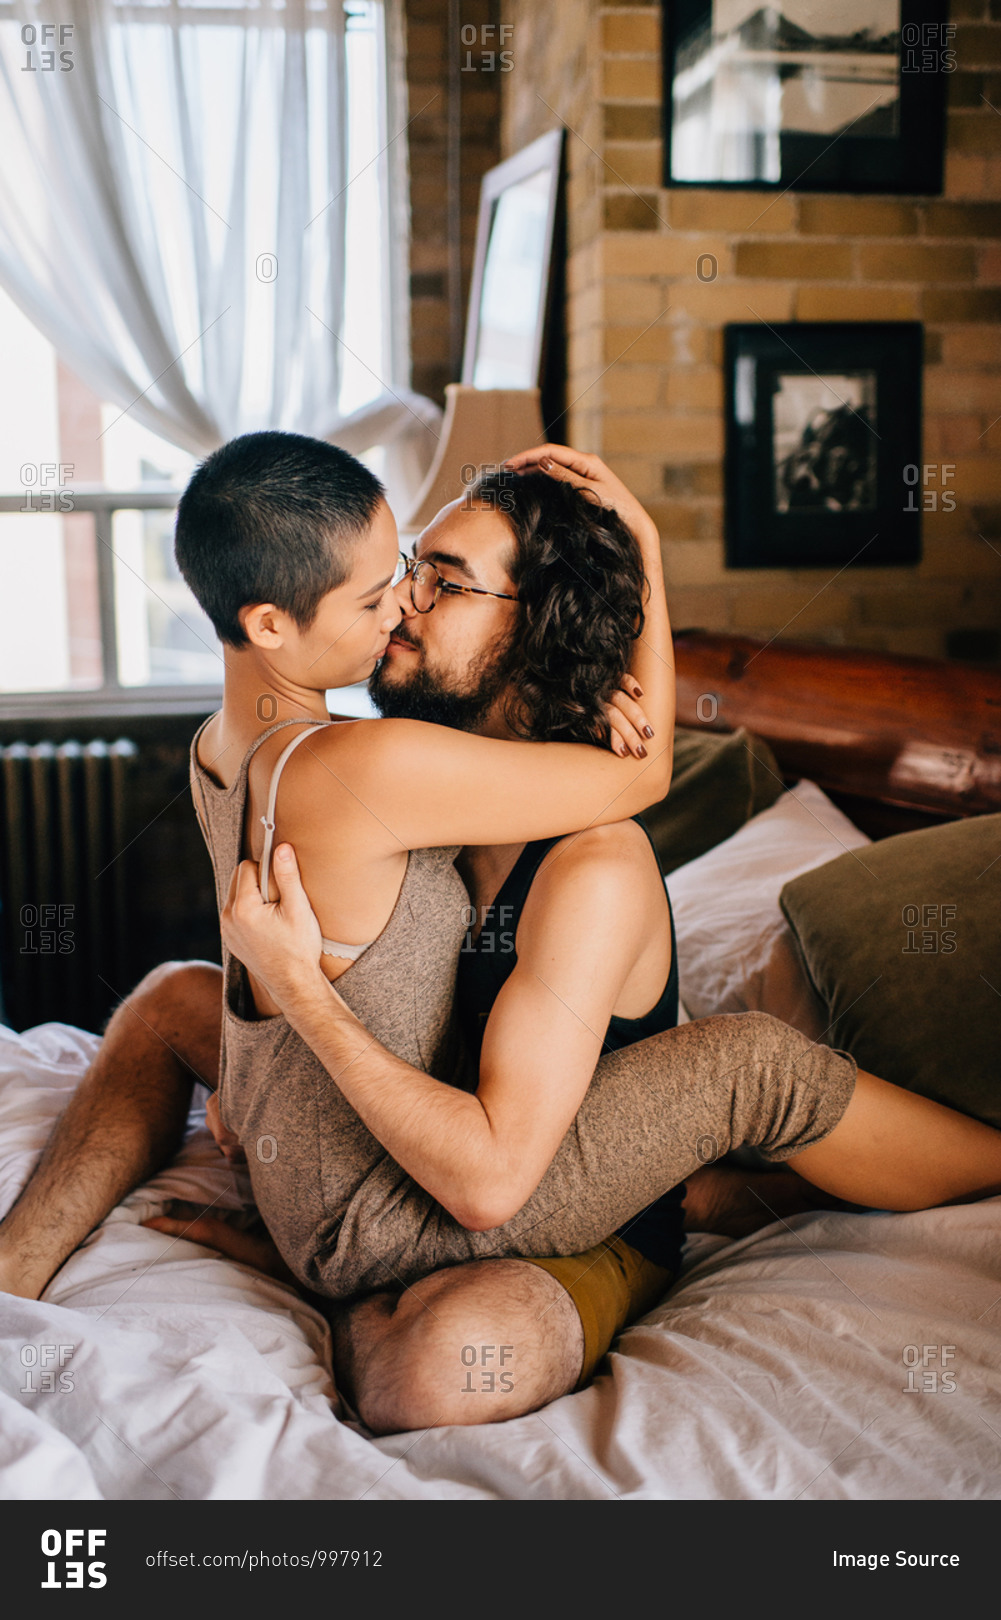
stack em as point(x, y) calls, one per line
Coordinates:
point(777, 1368)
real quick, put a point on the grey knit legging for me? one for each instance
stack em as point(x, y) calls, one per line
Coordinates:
point(653, 1113)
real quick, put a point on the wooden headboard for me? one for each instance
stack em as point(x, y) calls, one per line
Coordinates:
point(898, 742)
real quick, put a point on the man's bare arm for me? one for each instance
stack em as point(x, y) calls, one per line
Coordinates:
point(481, 1155)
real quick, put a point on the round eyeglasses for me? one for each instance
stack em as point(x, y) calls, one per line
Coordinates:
point(426, 585)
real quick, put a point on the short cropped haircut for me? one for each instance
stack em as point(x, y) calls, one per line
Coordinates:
point(580, 581)
point(271, 517)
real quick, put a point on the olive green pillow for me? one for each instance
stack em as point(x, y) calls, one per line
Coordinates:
point(902, 940)
point(720, 780)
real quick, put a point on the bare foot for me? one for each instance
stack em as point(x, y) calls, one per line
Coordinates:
point(733, 1202)
point(248, 1248)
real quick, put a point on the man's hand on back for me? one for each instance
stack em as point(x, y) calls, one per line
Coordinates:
point(278, 943)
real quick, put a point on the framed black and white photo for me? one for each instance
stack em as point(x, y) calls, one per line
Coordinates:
point(823, 437)
point(807, 95)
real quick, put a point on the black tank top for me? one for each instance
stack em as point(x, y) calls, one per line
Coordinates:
point(486, 962)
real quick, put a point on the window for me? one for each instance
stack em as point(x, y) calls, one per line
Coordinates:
point(87, 494)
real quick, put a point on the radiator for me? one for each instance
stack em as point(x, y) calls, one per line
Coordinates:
point(64, 945)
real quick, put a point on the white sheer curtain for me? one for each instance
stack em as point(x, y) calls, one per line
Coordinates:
point(174, 211)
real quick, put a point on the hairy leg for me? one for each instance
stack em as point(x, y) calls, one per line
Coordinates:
point(123, 1122)
point(477, 1343)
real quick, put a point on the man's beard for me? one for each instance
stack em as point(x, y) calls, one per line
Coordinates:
point(425, 695)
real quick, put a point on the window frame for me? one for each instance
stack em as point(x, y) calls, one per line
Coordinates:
point(111, 698)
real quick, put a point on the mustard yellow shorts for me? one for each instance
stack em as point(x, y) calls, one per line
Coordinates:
point(611, 1285)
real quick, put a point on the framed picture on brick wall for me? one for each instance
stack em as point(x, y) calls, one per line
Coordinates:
point(806, 95)
point(823, 444)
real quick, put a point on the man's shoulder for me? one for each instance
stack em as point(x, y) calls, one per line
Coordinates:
point(618, 845)
point(605, 865)
point(592, 897)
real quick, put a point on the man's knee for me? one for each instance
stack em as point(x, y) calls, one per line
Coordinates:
point(775, 1037)
point(180, 1003)
point(479, 1343)
point(174, 986)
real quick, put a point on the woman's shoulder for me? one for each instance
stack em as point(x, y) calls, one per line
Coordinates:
point(320, 781)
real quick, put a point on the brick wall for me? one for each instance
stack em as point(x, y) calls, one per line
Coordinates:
point(645, 335)
point(440, 266)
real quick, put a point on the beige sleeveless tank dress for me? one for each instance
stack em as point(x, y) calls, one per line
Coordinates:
point(349, 1220)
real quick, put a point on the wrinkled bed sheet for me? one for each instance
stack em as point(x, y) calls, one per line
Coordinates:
point(833, 1356)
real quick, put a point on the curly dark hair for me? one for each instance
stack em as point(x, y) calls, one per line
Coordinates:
point(581, 586)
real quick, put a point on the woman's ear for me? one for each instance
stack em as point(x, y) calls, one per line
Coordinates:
point(263, 626)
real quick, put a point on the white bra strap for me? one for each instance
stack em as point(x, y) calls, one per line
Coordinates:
point(268, 819)
point(336, 947)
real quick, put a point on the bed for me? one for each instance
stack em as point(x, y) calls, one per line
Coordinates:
point(828, 1356)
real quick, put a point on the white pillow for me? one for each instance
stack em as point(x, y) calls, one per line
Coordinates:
point(736, 952)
